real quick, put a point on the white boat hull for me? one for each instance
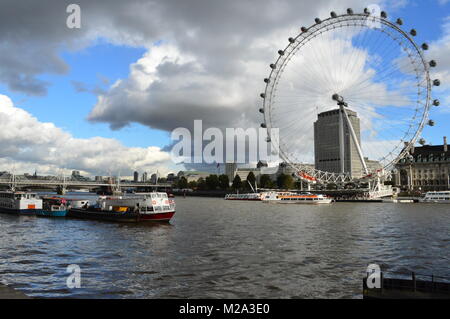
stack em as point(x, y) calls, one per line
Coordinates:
point(299, 202)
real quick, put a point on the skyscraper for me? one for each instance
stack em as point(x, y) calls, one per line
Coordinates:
point(327, 145)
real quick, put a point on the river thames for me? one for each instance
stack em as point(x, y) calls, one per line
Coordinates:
point(226, 249)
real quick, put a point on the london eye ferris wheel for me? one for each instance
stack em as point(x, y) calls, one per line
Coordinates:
point(350, 96)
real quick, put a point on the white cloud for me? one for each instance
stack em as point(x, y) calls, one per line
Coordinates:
point(27, 144)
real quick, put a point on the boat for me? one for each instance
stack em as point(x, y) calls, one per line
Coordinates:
point(295, 198)
point(77, 203)
point(23, 203)
point(442, 197)
point(247, 196)
point(154, 207)
point(81, 190)
point(53, 207)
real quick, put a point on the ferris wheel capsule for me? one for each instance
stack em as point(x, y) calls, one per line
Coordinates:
point(266, 80)
point(333, 14)
point(431, 123)
point(399, 21)
point(432, 63)
point(436, 102)
point(263, 125)
point(318, 21)
point(280, 52)
point(263, 95)
point(304, 29)
point(350, 11)
point(425, 46)
point(383, 14)
point(436, 82)
point(291, 40)
point(413, 32)
point(422, 141)
point(261, 110)
point(366, 11)
point(273, 66)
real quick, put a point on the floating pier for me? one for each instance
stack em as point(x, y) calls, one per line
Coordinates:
point(430, 287)
point(10, 293)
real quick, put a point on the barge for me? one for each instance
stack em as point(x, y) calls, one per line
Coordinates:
point(151, 207)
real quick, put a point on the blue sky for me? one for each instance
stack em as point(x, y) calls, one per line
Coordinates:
point(101, 63)
point(68, 108)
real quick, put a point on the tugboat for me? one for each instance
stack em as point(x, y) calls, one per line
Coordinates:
point(155, 207)
point(22, 203)
point(53, 207)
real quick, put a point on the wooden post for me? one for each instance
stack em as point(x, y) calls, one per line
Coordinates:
point(381, 282)
point(414, 280)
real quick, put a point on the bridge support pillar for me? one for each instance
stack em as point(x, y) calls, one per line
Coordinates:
point(61, 190)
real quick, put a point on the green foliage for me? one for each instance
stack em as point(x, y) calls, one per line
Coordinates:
point(266, 182)
point(212, 182)
point(224, 182)
point(192, 185)
point(251, 179)
point(285, 181)
point(182, 183)
point(237, 183)
point(201, 184)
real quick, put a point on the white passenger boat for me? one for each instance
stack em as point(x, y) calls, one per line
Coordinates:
point(246, 196)
point(442, 197)
point(295, 198)
point(20, 203)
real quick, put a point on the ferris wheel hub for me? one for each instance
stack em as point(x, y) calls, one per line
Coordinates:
point(339, 99)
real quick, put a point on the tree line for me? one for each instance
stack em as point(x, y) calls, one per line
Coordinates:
point(221, 182)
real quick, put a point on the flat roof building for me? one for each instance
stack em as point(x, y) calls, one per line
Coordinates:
point(327, 146)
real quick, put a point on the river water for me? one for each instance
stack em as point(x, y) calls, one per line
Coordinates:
point(226, 249)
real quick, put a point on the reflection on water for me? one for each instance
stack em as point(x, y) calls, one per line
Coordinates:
point(226, 249)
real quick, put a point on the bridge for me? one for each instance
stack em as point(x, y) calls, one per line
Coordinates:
point(62, 184)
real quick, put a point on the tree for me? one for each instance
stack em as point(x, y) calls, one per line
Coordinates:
point(237, 183)
point(224, 182)
point(212, 182)
point(201, 184)
point(162, 180)
point(251, 179)
point(285, 181)
point(265, 181)
point(182, 183)
point(192, 185)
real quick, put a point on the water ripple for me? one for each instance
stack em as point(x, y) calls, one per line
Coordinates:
point(224, 249)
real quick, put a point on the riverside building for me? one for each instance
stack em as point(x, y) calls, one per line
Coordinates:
point(427, 169)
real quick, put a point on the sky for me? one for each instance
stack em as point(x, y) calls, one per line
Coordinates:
point(104, 98)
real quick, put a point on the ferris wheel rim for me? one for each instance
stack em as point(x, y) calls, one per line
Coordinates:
point(307, 35)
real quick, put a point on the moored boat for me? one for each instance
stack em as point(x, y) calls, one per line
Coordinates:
point(23, 203)
point(442, 197)
point(246, 196)
point(155, 207)
point(53, 207)
point(294, 198)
